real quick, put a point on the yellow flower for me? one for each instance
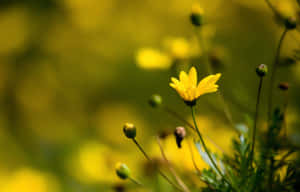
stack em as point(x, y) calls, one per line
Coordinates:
point(187, 86)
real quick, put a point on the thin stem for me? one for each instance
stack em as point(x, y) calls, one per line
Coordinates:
point(206, 150)
point(273, 73)
point(193, 158)
point(285, 112)
point(210, 71)
point(141, 149)
point(271, 6)
point(172, 170)
point(159, 171)
point(255, 120)
point(183, 120)
point(135, 181)
point(179, 117)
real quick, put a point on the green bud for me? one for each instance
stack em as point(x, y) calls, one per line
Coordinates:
point(122, 171)
point(129, 130)
point(262, 70)
point(196, 15)
point(155, 100)
point(290, 23)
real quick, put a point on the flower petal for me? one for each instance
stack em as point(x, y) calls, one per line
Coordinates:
point(207, 85)
point(193, 77)
point(183, 77)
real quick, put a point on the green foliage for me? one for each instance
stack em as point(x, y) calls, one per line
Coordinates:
point(266, 173)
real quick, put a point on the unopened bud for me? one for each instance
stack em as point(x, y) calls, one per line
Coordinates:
point(216, 57)
point(179, 133)
point(283, 86)
point(155, 100)
point(290, 23)
point(129, 130)
point(196, 15)
point(262, 70)
point(122, 171)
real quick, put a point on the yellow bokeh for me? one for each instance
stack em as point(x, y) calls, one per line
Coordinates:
point(28, 180)
point(92, 163)
point(148, 58)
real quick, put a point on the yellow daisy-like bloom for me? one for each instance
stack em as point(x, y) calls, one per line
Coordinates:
point(187, 86)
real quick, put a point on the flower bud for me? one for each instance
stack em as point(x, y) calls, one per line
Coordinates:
point(216, 57)
point(283, 86)
point(129, 130)
point(262, 70)
point(290, 23)
point(122, 171)
point(179, 133)
point(155, 100)
point(196, 15)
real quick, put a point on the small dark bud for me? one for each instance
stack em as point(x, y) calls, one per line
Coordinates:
point(216, 57)
point(164, 134)
point(129, 130)
point(290, 23)
point(122, 171)
point(179, 133)
point(262, 70)
point(197, 15)
point(283, 86)
point(119, 188)
point(155, 100)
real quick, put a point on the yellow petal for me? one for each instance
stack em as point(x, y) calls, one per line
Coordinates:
point(207, 85)
point(193, 76)
point(183, 77)
point(174, 80)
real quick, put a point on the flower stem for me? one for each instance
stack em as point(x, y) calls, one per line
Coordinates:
point(210, 71)
point(172, 170)
point(159, 171)
point(273, 73)
point(183, 120)
point(271, 6)
point(206, 150)
point(135, 181)
point(255, 120)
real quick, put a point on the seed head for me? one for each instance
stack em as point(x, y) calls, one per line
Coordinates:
point(179, 133)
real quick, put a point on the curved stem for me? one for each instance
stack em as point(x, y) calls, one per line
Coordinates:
point(183, 120)
point(210, 71)
point(273, 73)
point(172, 170)
point(255, 120)
point(206, 149)
point(159, 171)
point(271, 6)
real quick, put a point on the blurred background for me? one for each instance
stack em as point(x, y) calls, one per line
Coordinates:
point(72, 72)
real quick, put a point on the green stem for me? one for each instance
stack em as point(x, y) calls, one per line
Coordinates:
point(210, 71)
point(183, 120)
point(271, 6)
point(206, 150)
point(273, 73)
point(135, 181)
point(255, 120)
point(159, 171)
